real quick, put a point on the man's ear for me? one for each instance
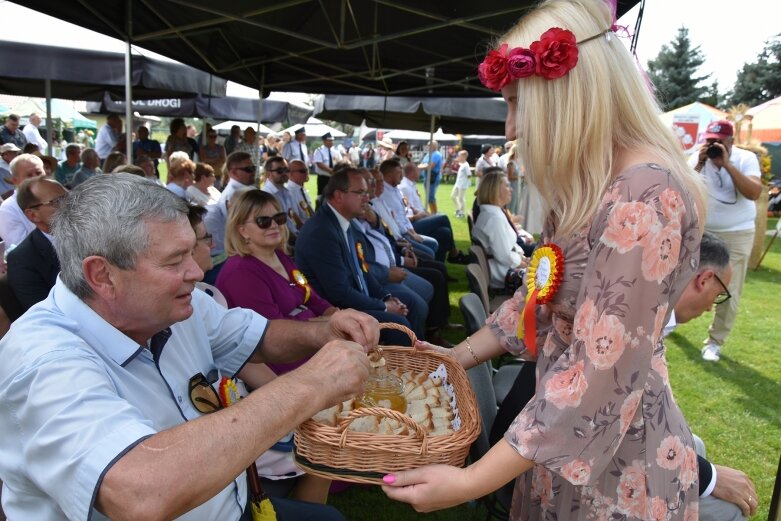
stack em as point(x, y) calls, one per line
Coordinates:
point(31, 215)
point(99, 274)
point(703, 277)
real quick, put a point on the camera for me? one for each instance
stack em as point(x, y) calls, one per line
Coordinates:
point(713, 151)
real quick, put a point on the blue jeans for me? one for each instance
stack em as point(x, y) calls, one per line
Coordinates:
point(439, 227)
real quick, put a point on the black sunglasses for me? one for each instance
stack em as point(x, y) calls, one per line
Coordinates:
point(281, 170)
point(249, 169)
point(264, 222)
point(725, 295)
point(202, 395)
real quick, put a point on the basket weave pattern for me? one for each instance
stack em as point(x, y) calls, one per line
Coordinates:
point(337, 453)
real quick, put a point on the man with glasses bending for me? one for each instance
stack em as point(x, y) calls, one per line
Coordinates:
point(14, 225)
point(733, 177)
point(241, 175)
point(33, 265)
point(106, 387)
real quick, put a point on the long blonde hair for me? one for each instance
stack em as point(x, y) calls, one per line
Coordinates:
point(569, 129)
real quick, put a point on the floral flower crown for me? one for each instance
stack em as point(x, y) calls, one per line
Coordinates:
point(552, 56)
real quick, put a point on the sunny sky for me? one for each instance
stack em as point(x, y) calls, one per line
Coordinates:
point(729, 33)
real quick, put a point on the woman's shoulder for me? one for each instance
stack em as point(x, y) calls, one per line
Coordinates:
point(643, 178)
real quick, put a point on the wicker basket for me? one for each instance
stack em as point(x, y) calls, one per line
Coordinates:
point(336, 453)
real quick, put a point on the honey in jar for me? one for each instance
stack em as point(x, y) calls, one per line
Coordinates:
point(384, 390)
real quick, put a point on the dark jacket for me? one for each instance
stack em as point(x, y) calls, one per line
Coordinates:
point(324, 258)
point(32, 269)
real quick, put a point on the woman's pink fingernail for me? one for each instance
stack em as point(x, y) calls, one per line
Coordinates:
point(390, 479)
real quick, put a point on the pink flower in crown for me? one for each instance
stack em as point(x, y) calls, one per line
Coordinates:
point(521, 63)
point(660, 256)
point(628, 225)
point(493, 71)
point(631, 490)
point(672, 205)
point(605, 343)
point(556, 51)
point(566, 388)
point(657, 510)
point(576, 472)
point(671, 453)
point(629, 409)
point(585, 319)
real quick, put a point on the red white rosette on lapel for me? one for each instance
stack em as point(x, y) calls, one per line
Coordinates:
point(543, 278)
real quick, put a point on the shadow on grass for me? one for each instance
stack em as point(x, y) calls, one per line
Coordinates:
point(749, 383)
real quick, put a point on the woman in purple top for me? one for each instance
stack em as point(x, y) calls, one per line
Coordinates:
point(258, 275)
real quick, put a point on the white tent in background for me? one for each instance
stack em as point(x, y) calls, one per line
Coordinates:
point(316, 129)
point(226, 125)
point(415, 136)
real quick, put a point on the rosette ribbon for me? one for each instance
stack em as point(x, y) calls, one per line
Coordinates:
point(303, 283)
point(543, 278)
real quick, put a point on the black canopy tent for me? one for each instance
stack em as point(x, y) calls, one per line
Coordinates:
point(226, 108)
point(62, 72)
point(87, 75)
point(422, 48)
point(454, 115)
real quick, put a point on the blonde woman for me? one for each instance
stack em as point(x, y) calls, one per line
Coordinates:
point(258, 275)
point(602, 437)
point(496, 233)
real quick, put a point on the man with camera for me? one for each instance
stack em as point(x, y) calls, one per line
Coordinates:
point(732, 176)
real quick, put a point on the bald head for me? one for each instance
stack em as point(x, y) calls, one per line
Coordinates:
point(24, 167)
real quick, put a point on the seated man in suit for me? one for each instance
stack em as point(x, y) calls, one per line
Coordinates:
point(33, 265)
point(330, 252)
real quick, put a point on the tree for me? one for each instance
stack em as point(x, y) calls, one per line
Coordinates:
point(759, 81)
point(674, 73)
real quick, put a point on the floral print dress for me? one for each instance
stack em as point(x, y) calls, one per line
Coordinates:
point(606, 436)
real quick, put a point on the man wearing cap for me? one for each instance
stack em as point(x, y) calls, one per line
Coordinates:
point(32, 134)
point(14, 225)
point(10, 132)
point(325, 158)
point(7, 154)
point(732, 176)
point(296, 148)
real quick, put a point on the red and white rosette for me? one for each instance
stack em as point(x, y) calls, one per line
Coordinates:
point(543, 278)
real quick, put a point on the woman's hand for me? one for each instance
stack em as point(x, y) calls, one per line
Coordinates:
point(425, 346)
point(429, 488)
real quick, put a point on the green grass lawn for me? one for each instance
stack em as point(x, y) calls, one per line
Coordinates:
point(734, 405)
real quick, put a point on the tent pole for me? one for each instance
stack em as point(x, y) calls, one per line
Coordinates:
point(128, 91)
point(430, 153)
point(47, 85)
point(260, 97)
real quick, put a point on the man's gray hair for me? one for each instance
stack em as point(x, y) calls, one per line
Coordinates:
point(107, 216)
point(714, 253)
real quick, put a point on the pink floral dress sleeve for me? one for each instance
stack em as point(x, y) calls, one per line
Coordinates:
point(604, 431)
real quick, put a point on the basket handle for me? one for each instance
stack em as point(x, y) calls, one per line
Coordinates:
point(418, 431)
point(403, 329)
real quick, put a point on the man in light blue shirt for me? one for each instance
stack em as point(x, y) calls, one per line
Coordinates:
point(105, 394)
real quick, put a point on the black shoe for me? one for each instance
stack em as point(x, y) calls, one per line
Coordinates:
point(461, 258)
